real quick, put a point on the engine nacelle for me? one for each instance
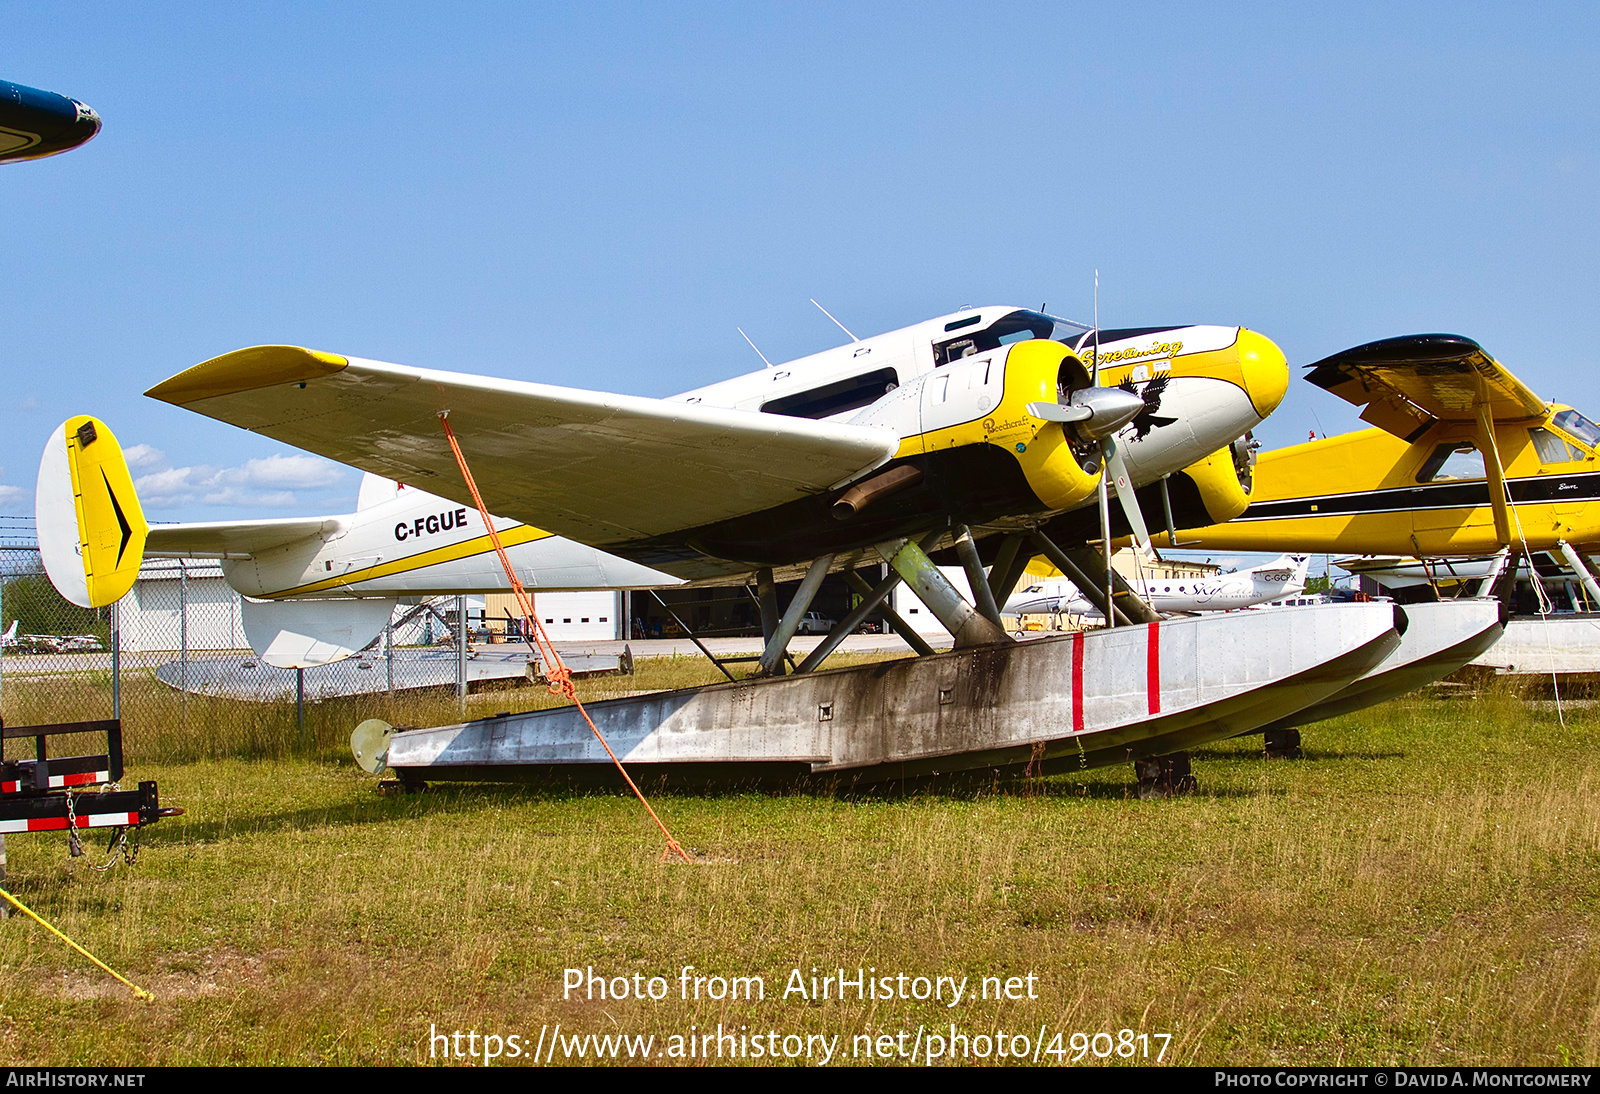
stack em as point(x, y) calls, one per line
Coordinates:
point(1210, 491)
point(1062, 471)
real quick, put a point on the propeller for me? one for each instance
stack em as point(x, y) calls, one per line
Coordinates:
point(1092, 416)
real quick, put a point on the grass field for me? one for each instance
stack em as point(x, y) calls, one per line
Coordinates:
point(1423, 888)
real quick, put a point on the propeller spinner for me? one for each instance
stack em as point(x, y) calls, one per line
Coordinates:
point(1093, 415)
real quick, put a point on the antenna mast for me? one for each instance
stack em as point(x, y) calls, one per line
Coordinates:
point(759, 354)
point(836, 323)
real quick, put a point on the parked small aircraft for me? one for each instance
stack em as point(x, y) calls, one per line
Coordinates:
point(985, 425)
point(992, 417)
point(35, 124)
point(1465, 460)
point(1283, 576)
point(60, 643)
point(958, 414)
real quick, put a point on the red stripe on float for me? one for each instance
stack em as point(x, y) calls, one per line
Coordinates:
point(1152, 658)
point(1077, 682)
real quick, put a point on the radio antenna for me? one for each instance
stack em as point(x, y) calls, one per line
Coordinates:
point(836, 323)
point(1095, 376)
point(759, 354)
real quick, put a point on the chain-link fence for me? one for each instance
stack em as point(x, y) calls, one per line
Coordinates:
point(173, 661)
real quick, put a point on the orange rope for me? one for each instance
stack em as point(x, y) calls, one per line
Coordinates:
point(556, 671)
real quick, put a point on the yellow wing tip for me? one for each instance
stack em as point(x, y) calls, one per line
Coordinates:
point(246, 370)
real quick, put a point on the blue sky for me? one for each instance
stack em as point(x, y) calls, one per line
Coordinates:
point(597, 195)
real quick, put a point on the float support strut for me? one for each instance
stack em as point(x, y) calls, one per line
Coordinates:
point(767, 600)
point(1575, 560)
point(961, 619)
point(846, 626)
point(1092, 592)
point(772, 656)
point(977, 580)
point(890, 616)
point(1009, 563)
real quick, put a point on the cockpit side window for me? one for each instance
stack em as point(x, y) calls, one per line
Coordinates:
point(1553, 449)
point(1012, 327)
point(1579, 426)
point(1455, 460)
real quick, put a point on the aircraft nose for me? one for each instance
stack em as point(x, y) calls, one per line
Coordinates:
point(86, 124)
point(35, 123)
point(1265, 370)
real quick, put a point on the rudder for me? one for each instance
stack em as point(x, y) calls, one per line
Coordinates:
point(91, 527)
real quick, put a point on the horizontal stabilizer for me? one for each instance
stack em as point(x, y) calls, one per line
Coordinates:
point(236, 538)
point(301, 634)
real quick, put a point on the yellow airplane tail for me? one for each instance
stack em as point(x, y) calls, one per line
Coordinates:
point(91, 528)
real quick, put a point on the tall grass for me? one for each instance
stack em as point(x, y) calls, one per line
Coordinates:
point(1423, 888)
point(163, 725)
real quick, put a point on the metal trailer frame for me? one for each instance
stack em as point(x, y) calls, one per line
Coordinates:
point(55, 793)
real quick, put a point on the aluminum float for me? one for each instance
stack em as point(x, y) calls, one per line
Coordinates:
point(1438, 639)
point(1069, 701)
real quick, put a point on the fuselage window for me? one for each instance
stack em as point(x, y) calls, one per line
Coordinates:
point(1456, 460)
point(954, 351)
point(1553, 449)
point(851, 393)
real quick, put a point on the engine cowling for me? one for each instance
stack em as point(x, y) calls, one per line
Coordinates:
point(1213, 490)
point(1062, 470)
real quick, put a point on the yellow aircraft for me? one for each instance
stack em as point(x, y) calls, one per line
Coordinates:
point(1464, 459)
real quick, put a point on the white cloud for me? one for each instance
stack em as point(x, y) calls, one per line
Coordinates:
point(142, 456)
point(269, 482)
point(294, 472)
point(11, 494)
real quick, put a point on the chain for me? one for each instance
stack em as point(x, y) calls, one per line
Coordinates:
point(120, 844)
point(74, 844)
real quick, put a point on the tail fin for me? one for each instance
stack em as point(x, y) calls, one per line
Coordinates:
point(91, 528)
point(11, 633)
point(1301, 564)
point(375, 490)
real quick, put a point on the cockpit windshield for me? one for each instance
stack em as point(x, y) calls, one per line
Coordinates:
point(1579, 426)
